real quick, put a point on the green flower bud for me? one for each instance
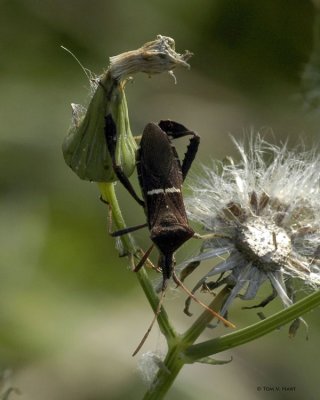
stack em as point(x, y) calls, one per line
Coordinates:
point(84, 148)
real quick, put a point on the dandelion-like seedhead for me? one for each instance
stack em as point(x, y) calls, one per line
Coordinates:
point(265, 213)
point(153, 57)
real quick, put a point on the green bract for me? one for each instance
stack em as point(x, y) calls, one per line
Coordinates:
point(85, 149)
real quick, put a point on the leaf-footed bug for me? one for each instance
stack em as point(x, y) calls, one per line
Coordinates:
point(161, 175)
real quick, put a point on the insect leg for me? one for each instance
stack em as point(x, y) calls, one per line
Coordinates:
point(190, 294)
point(111, 139)
point(128, 230)
point(143, 259)
point(190, 154)
point(209, 236)
point(156, 314)
point(176, 130)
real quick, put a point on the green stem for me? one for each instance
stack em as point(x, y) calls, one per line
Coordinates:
point(175, 359)
point(181, 351)
point(254, 331)
point(163, 320)
point(167, 374)
point(195, 330)
point(109, 195)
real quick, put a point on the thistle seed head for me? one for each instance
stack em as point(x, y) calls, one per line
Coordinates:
point(265, 212)
point(263, 242)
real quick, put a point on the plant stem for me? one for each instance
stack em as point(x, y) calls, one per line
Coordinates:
point(108, 193)
point(204, 319)
point(166, 375)
point(163, 320)
point(175, 359)
point(181, 352)
point(254, 331)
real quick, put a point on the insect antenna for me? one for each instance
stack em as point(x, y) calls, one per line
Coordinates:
point(166, 266)
point(86, 71)
point(167, 261)
point(151, 325)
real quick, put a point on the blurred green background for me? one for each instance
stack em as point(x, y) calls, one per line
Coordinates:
point(71, 312)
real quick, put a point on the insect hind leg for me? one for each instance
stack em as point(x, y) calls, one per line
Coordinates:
point(176, 130)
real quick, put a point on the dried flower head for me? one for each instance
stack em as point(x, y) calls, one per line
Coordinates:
point(265, 213)
point(153, 57)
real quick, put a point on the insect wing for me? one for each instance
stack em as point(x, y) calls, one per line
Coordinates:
point(159, 172)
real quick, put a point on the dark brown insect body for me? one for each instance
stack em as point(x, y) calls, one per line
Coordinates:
point(161, 177)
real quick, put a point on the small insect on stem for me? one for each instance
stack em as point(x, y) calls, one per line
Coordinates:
point(161, 175)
